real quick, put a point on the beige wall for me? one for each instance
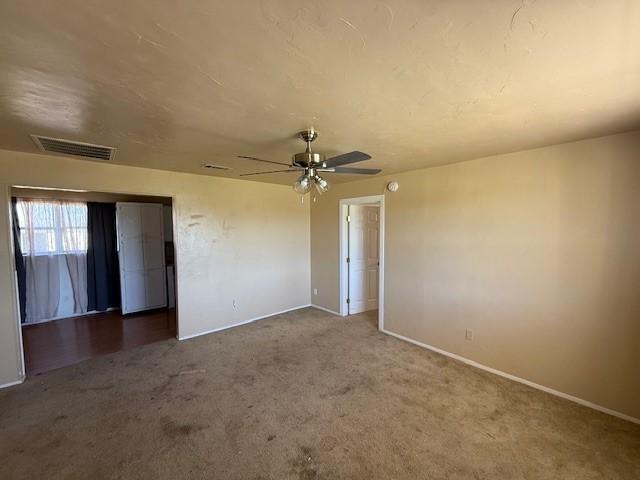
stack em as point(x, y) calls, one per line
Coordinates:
point(538, 252)
point(235, 240)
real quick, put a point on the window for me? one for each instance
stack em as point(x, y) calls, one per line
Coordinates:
point(52, 227)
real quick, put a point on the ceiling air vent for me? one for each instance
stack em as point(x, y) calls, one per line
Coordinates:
point(79, 149)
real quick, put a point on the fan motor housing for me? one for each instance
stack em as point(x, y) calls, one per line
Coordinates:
point(305, 159)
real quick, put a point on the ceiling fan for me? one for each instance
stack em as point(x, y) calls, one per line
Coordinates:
point(311, 164)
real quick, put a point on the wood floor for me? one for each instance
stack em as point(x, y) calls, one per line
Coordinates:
point(64, 342)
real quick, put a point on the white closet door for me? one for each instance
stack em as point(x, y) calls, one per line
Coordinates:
point(153, 234)
point(141, 254)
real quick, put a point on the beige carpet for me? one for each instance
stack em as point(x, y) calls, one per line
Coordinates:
point(300, 396)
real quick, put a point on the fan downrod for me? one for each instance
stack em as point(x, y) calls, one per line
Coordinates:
point(308, 158)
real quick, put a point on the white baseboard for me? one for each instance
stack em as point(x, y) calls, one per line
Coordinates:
point(11, 384)
point(73, 315)
point(325, 309)
point(557, 393)
point(239, 324)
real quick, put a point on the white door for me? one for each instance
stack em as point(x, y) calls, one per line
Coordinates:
point(141, 254)
point(364, 257)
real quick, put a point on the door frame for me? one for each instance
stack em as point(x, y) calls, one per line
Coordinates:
point(12, 264)
point(344, 252)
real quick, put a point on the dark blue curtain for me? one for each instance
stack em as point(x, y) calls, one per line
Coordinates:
point(103, 276)
point(20, 268)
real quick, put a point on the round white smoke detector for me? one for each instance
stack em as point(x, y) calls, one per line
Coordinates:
point(393, 186)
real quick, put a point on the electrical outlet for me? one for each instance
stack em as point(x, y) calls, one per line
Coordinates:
point(468, 334)
point(315, 291)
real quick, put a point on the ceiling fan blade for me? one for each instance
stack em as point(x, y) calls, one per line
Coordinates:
point(261, 160)
point(272, 171)
point(346, 158)
point(355, 171)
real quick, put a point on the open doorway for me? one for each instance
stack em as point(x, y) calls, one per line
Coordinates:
point(362, 257)
point(95, 273)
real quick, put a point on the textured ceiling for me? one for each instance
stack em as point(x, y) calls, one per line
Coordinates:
point(173, 85)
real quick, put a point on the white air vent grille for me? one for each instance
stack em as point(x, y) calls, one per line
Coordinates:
point(79, 149)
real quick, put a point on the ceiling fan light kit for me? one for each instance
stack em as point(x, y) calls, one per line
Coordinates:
point(311, 164)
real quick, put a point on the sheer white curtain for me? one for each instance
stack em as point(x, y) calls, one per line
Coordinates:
point(53, 239)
